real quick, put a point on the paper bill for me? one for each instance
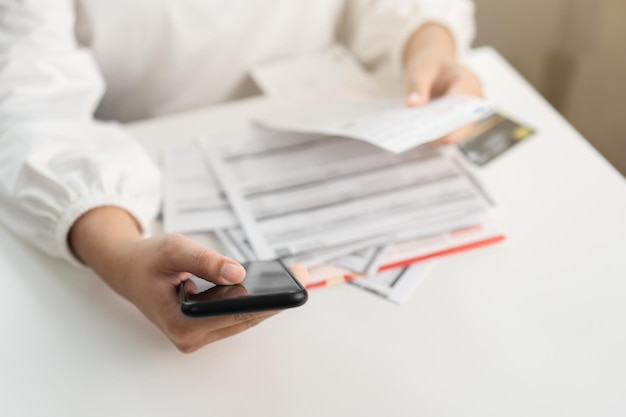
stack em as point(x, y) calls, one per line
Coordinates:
point(363, 262)
point(226, 178)
point(329, 92)
point(386, 123)
point(441, 244)
point(396, 285)
point(319, 194)
point(193, 200)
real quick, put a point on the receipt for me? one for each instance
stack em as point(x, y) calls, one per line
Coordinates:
point(193, 200)
point(396, 285)
point(328, 92)
point(383, 122)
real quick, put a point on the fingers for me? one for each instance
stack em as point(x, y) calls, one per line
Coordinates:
point(420, 78)
point(238, 328)
point(184, 255)
point(160, 265)
point(429, 76)
point(189, 335)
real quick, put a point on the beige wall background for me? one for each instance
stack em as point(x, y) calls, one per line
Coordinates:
point(574, 53)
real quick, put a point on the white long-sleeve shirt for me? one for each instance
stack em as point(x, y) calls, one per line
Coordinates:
point(67, 65)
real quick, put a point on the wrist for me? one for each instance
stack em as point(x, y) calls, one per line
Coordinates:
point(103, 238)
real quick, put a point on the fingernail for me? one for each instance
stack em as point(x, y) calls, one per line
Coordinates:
point(233, 273)
point(414, 98)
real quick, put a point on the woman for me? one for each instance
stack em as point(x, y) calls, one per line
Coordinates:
point(80, 188)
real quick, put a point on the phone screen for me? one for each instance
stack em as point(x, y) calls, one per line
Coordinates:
point(261, 278)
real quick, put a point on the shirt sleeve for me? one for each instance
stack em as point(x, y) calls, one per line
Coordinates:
point(56, 161)
point(377, 30)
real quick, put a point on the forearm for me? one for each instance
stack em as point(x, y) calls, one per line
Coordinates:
point(430, 37)
point(148, 272)
point(101, 238)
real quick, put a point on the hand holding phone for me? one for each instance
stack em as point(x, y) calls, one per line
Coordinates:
point(149, 271)
point(268, 286)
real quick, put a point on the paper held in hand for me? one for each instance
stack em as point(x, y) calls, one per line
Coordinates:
point(329, 93)
point(385, 123)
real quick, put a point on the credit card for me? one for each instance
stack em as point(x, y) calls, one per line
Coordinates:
point(492, 137)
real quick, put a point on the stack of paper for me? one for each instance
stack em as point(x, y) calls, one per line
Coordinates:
point(315, 183)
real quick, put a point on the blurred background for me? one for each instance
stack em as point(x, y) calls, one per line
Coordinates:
point(574, 53)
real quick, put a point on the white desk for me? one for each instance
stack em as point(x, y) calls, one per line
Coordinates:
point(532, 327)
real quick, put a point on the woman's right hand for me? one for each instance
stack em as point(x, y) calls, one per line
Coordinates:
point(147, 272)
point(156, 267)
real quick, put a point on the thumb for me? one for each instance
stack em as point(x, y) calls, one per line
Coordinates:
point(420, 77)
point(186, 255)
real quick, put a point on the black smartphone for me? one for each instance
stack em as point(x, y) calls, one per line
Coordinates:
point(268, 286)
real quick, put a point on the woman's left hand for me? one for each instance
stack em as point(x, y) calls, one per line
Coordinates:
point(432, 71)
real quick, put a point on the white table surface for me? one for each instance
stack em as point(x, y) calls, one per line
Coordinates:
point(532, 327)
